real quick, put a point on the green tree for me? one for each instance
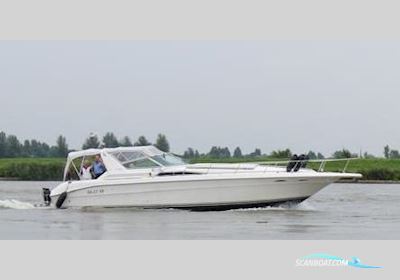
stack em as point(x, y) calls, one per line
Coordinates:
point(91, 142)
point(214, 152)
point(53, 152)
point(386, 151)
point(162, 143)
point(282, 154)
point(394, 154)
point(225, 153)
point(126, 142)
point(256, 153)
point(237, 153)
point(44, 150)
point(3, 144)
point(35, 148)
point(142, 141)
point(110, 141)
point(320, 156)
point(14, 147)
point(189, 153)
point(344, 153)
point(218, 152)
point(312, 155)
point(26, 149)
point(61, 147)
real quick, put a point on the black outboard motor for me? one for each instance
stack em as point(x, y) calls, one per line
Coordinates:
point(46, 196)
point(292, 163)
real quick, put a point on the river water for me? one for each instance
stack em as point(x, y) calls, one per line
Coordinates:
point(340, 211)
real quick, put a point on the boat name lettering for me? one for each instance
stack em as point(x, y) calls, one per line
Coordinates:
point(95, 191)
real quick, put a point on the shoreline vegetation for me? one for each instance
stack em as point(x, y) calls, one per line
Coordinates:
point(51, 169)
point(38, 161)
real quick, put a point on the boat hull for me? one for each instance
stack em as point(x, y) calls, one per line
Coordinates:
point(194, 194)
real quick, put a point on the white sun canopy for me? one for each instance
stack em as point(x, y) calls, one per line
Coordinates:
point(112, 157)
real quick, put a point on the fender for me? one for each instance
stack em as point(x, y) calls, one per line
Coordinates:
point(61, 199)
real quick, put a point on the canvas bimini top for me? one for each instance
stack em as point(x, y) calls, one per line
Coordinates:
point(123, 158)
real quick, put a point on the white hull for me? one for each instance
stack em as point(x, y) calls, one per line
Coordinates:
point(221, 193)
point(145, 177)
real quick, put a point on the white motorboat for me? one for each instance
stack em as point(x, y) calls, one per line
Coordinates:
point(145, 177)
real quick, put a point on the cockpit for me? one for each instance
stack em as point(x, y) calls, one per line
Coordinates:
point(120, 159)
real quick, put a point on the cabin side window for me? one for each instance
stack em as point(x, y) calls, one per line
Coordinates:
point(135, 160)
point(141, 163)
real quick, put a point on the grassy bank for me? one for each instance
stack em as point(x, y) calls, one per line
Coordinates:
point(371, 169)
point(52, 168)
point(32, 169)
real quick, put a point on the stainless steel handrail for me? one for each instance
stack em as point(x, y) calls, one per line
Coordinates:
point(282, 163)
point(321, 161)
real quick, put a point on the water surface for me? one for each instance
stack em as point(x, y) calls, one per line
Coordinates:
point(341, 211)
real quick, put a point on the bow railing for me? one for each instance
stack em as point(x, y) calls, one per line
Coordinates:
point(319, 165)
point(316, 164)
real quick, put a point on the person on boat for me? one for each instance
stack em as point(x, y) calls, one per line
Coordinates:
point(98, 167)
point(86, 171)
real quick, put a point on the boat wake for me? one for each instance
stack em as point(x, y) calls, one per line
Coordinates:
point(304, 206)
point(15, 204)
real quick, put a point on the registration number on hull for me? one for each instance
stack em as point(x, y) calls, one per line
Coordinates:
point(95, 191)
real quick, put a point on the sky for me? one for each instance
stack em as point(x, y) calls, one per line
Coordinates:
point(303, 95)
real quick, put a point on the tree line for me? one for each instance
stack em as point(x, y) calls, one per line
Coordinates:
point(111, 141)
point(217, 152)
point(390, 153)
point(11, 147)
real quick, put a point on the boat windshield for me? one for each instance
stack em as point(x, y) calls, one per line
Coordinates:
point(168, 159)
point(139, 159)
